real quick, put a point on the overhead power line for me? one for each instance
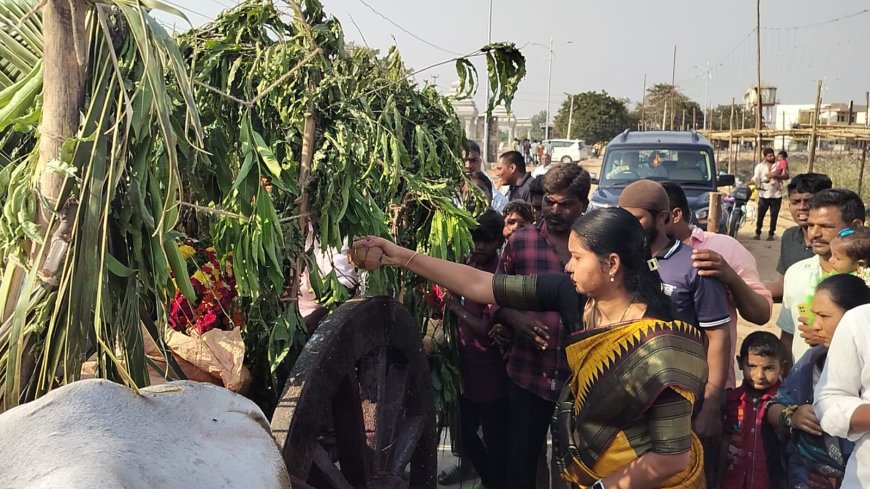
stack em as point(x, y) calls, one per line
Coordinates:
point(749, 35)
point(406, 31)
point(817, 24)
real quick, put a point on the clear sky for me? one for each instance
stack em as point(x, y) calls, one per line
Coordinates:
point(611, 45)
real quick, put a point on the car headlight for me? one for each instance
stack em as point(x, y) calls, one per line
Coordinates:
point(598, 205)
point(701, 214)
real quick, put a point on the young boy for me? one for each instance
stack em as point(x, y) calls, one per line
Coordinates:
point(517, 215)
point(483, 402)
point(762, 358)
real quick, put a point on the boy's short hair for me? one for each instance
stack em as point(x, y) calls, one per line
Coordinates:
point(764, 344)
point(490, 227)
point(521, 207)
point(782, 153)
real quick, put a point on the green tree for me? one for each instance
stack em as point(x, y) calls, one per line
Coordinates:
point(720, 118)
point(596, 116)
point(538, 120)
point(667, 107)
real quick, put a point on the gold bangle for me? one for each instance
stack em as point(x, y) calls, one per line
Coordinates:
point(411, 259)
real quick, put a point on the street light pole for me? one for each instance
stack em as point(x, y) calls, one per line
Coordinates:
point(570, 114)
point(706, 71)
point(706, 79)
point(549, 82)
point(486, 114)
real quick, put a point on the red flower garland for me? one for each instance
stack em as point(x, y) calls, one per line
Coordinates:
point(215, 306)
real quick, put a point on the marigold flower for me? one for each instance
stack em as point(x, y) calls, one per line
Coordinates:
point(186, 251)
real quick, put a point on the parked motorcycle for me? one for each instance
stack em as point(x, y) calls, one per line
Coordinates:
point(735, 208)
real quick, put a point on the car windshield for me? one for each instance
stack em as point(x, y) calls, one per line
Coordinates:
point(623, 166)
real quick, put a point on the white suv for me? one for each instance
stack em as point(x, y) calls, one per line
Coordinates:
point(567, 150)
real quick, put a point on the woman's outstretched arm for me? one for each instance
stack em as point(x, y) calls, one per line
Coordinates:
point(466, 281)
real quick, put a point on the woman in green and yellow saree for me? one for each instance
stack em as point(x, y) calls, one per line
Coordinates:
point(624, 418)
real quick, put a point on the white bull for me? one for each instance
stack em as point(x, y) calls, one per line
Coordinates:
point(97, 434)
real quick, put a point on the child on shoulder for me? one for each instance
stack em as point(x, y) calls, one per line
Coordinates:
point(761, 358)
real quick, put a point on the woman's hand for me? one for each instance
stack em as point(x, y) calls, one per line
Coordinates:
point(394, 255)
point(469, 282)
point(807, 332)
point(805, 419)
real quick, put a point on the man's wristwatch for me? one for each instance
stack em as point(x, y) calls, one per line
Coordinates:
point(599, 484)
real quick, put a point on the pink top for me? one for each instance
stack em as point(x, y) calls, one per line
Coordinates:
point(780, 166)
point(742, 261)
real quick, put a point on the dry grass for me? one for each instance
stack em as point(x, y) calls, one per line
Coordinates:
point(842, 167)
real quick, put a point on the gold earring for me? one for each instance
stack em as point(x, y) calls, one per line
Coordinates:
point(611, 277)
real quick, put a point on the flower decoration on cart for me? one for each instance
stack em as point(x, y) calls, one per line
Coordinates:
point(205, 336)
point(217, 300)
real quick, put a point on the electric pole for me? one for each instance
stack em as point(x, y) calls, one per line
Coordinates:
point(487, 114)
point(758, 100)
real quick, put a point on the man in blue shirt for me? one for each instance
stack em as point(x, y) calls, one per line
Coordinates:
point(701, 301)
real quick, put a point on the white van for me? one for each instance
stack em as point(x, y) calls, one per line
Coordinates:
point(567, 150)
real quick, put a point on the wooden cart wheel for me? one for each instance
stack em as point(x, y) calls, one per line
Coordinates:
point(358, 408)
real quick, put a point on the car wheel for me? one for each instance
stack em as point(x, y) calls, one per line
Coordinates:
point(566, 159)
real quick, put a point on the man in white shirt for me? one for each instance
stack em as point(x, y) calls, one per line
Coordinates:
point(544, 167)
point(843, 393)
point(769, 186)
point(831, 211)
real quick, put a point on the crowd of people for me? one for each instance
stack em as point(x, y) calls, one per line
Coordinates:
point(615, 329)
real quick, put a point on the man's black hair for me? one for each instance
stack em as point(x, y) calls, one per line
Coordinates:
point(568, 178)
point(809, 183)
point(849, 204)
point(678, 199)
point(515, 158)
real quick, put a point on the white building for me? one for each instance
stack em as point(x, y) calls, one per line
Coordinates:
point(801, 115)
point(786, 117)
point(473, 122)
